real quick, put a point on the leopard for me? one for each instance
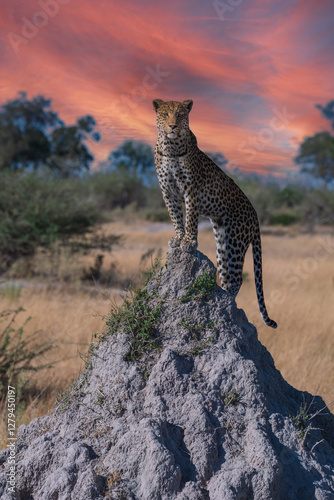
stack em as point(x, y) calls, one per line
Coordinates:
point(189, 178)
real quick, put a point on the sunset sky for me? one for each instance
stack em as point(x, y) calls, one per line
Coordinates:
point(254, 68)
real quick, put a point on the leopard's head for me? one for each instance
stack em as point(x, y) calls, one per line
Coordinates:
point(173, 117)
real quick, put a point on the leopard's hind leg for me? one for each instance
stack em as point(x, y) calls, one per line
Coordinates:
point(230, 257)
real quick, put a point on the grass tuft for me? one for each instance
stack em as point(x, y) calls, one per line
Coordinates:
point(231, 398)
point(11, 291)
point(201, 288)
point(138, 317)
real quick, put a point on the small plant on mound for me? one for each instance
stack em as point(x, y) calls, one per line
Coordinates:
point(198, 349)
point(201, 288)
point(302, 422)
point(196, 330)
point(231, 398)
point(138, 318)
point(69, 396)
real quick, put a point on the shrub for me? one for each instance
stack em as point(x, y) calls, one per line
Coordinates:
point(18, 352)
point(263, 197)
point(35, 212)
point(158, 215)
point(318, 207)
point(284, 218)
point(291, 196)
point(117, 189)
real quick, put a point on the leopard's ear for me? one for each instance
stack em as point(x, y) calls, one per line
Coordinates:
point(188, 104)
point(157, 103)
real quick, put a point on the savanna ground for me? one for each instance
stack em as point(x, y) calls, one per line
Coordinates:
point(298, 284)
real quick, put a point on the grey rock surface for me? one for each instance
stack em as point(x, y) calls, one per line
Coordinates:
point(207, 416)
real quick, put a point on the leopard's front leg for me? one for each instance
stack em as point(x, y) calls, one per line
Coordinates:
point(189, 241)
point(173, 203)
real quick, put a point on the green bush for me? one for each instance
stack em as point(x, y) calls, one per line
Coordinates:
point(318, 207)
point(117, 189)
point(291, 196)
point(263, 197)
point(285, 219)
point(18, 352)
point(158, 215)
point(35, 212)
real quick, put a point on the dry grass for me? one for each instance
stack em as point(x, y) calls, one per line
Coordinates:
point(298, 284)
point(71, 318)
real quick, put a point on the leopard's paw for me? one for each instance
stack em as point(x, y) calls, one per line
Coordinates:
point(188, 244)
point(175, 241)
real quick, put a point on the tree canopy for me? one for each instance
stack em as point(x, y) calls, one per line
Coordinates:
point(316, 153)
point(328, 111)
point(33, 136)
point(219, 158)
point(135, 157)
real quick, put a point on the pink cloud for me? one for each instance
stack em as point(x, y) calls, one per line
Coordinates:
point(110, 59)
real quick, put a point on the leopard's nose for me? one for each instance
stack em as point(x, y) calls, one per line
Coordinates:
point(172, 126)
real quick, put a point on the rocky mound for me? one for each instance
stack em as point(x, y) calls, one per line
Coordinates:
point(179, 401)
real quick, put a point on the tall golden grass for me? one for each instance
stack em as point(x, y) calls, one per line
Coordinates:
point(298, 284)
point(70, 318)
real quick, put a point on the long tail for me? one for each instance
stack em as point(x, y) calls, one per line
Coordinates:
point(257, 259)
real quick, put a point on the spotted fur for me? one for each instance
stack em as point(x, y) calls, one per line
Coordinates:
point(186, 175)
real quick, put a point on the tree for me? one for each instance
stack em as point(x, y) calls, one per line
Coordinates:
point(33, 136)
point(135, 157)
point(24, 127)
point(291, 196)
point(316, 156)
point(219, 158)
point(69, 155)
point(35, 212)
point(316, 153)
point(328, 111)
